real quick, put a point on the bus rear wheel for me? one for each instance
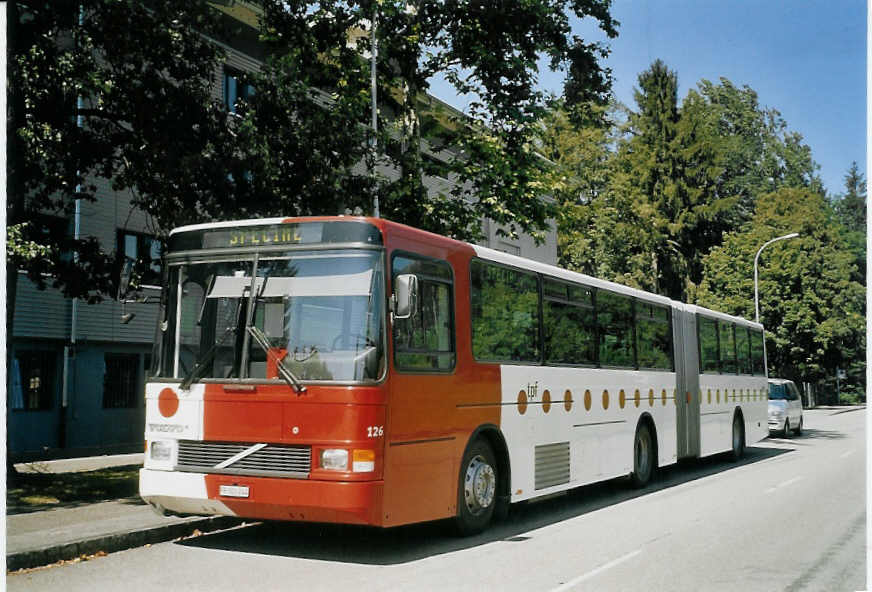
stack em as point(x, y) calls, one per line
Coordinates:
point(477, 489)
point(643, 456)
point(737, 450)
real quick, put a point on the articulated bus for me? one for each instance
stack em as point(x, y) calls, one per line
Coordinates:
point(356, 370)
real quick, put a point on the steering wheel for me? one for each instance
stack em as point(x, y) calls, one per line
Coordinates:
point(356, 338)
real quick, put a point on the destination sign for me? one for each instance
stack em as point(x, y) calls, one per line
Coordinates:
point(253, 236)
point(267, 235)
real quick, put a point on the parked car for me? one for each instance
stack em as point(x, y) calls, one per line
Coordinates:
point(785, 407)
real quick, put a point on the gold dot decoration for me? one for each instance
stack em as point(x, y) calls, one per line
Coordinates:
point(675, 397)
point(718, 396)
point(605, 399)
point(710, 396)
point(546, 401)
point(650, 397)
point(587, 400)
point(734, 395)
point(637, 397)
point(622, 399)
point(663, 396)
point(522, 402)
point(567, 400)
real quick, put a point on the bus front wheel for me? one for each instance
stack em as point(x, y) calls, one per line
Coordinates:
point(477, 489)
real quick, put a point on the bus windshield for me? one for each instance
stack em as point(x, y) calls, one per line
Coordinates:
point(321, 314)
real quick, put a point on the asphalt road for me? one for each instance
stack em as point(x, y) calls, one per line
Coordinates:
point(791, 516)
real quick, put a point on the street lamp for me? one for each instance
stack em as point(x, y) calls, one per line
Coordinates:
point(756, 257)
point(373, 90)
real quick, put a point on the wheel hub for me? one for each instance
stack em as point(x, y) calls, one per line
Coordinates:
point(479, 485)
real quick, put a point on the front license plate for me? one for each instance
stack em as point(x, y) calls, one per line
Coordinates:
point(233, 490)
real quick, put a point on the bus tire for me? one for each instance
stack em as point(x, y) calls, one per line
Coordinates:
point(644, 456)
point(737, 438)
point(477, 488)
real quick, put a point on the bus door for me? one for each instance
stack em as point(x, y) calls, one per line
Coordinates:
point(687, 381)
point(421, 464)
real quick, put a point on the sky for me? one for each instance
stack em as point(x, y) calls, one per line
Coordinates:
point(805, 58)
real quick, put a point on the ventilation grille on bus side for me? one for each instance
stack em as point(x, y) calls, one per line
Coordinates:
point(272, 460)
point(552, 464)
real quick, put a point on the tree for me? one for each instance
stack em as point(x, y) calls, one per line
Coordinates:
point(489, 51)
point(683, 176)
point(851, 208)
point(851, 212)
point(121, 90)
point(810, 304)
point(112, 90)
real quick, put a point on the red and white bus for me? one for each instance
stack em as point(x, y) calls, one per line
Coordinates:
point(356, 370)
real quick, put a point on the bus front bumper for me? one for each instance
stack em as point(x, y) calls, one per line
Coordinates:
point(263, 498)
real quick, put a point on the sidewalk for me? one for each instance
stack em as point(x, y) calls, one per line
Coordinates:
point(47, 536)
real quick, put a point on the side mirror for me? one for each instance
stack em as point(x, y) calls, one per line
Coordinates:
point(405, 295)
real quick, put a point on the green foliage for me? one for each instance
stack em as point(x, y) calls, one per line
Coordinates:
point(111, 89)
point(119, 92)
point(850, 209)
point(809, 302)
point(660, 191)
point(490, 52)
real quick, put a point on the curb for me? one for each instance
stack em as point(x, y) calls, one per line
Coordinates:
point(116, 542)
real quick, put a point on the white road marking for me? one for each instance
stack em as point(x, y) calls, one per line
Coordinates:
point(572, 583)
point(846, 454)
point(783, 484)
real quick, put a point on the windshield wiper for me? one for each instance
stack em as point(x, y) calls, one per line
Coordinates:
point(203, 360)
point(287, 375)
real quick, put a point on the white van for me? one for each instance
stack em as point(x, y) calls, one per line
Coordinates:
point(785, 407)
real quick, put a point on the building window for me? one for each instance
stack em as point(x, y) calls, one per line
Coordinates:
point(33, 380)
point(119, 381)
point(143, 251)
point(235, 89)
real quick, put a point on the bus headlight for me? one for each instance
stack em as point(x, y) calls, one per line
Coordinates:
point(334, 459)
point(161, 450)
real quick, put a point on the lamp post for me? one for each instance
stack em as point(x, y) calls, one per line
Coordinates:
point(373, 90)
point(756, 258)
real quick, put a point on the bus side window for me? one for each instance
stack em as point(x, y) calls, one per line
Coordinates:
point(653, 336)
point(743, 349)
point(709, 359)
point(505, 313)
point(757, 356)
point(728, 347)
point(425, 340)
point(569, 322)
point(614, 317)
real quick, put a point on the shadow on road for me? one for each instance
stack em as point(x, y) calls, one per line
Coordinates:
point(373, 546)
point(807, 434)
